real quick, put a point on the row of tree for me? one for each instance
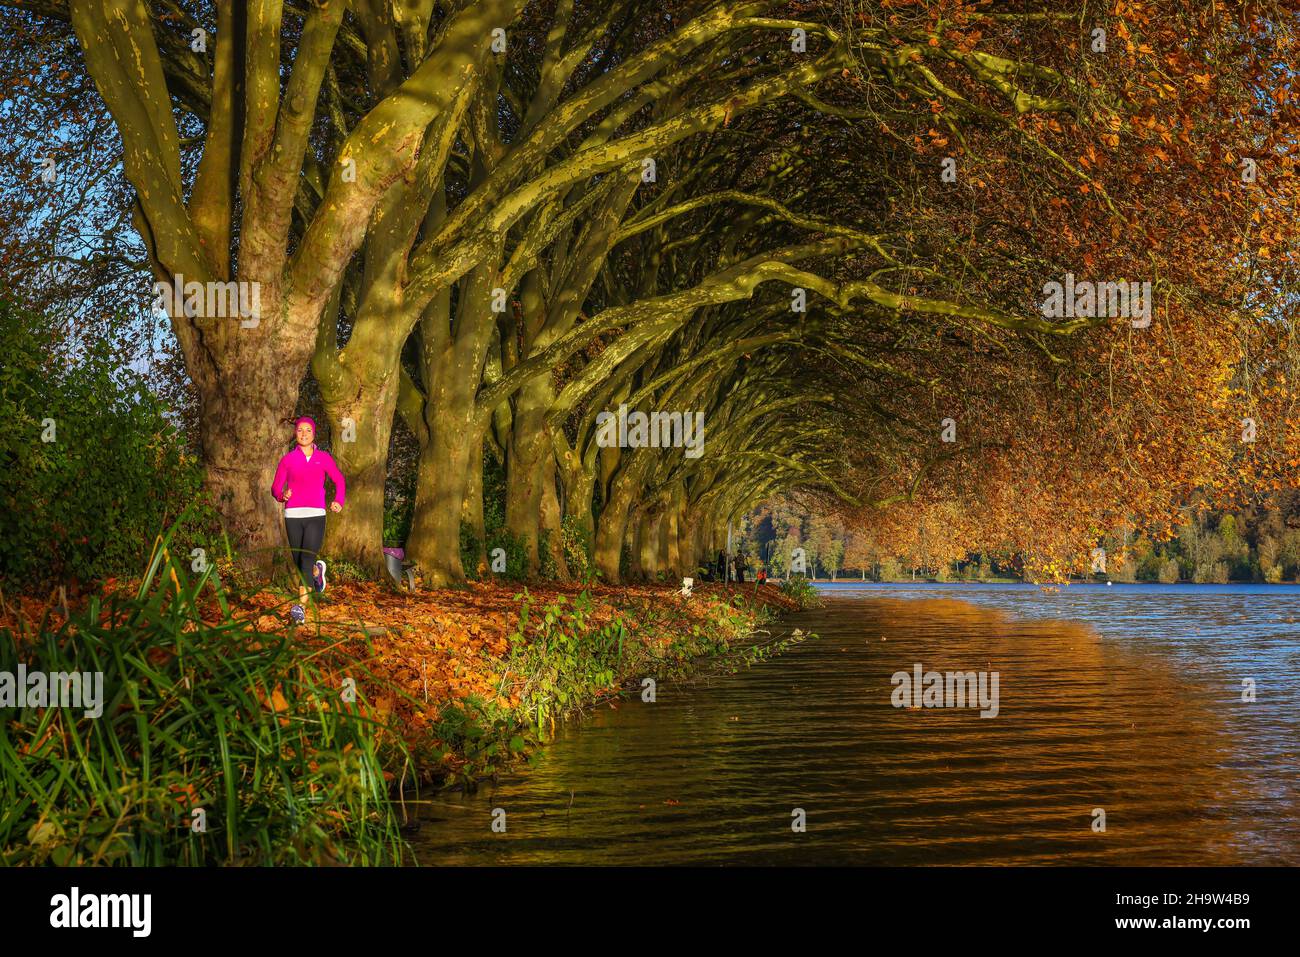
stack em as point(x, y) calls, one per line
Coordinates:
point(1253, 545)
point(480, 228)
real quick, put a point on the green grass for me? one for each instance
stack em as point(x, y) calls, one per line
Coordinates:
point(188, 724)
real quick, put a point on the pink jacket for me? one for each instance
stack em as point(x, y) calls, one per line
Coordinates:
point(306, 479)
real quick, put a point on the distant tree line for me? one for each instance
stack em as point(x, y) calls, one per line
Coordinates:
point(1255, 544)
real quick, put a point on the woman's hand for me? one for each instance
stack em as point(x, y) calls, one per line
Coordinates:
point(335, 507)
point(287, 493)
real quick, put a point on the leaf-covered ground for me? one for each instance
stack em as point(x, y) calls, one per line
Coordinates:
point(415, 656)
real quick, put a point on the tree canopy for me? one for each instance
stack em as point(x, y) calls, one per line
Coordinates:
point(828, 230)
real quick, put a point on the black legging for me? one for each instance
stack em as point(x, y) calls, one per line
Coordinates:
point(305, 536)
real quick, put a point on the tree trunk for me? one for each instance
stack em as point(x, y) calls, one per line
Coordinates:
point(579, 488)
point(611, 530)
point(471, 512)
point(530, 456)
point(453, 369)
point(632, 537)
point(669, 554)
point(440, 486)
point(647, 546)
point(685, 548)
point(245, 427)
point(364, 414)
point(240, 483)
point(550, 520)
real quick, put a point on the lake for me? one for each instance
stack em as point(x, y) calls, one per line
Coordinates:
point(1118, 705)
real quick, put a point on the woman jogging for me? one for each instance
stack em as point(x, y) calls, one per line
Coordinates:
point(300, 485)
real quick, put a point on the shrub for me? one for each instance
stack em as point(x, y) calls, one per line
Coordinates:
point(397, 521)
point(1149, 568)
point(477, 738)
point(546, 565)
point(801, 590)
point(564, 660)
point(516, 551)
point(91, 470)
point(195, 715)
point(1168, 573)
point(343, 571)
point(890, 570)
point(469, 550)
point(577, 546)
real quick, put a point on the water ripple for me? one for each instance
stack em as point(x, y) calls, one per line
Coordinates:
point(1127, 699)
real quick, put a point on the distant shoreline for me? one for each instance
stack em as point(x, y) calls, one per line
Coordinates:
point(1018, 581)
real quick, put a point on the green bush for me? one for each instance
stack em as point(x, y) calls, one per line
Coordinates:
point(548, 568)
point(564, 660)
point(801, 590)
point(343, 571)
point(397, 521)
point(483, 736)
point(193, 716)
point(516, 549)
point(578, 546)
point(469, 550)
point(890, 570)
point(1125, 573)
point(91, 470)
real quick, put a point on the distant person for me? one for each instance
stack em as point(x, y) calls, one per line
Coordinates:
point(740, 568)
point(722, 566)
point(762, 574)
point(301, 476)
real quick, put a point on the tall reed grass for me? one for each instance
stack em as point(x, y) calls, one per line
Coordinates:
point(219, 718)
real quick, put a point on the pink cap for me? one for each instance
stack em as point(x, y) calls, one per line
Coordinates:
point(305, 418)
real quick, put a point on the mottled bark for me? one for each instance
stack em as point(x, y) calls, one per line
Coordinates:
point(669, 556)
point(434, 543)
point(647, 546)
point(471, 512)
point(529, 457)
point(360, 430)
point(245, 427)
point(550, 520)
point(453, 369)
point(611, 530)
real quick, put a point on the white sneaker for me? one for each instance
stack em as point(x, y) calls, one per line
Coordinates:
point(320, 575)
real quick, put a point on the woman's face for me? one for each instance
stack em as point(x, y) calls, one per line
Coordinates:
point(306, 434)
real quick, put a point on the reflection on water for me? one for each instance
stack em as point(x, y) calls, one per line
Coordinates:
point(1125, 698)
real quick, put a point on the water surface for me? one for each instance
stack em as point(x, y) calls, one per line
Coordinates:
point(1127, 699)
